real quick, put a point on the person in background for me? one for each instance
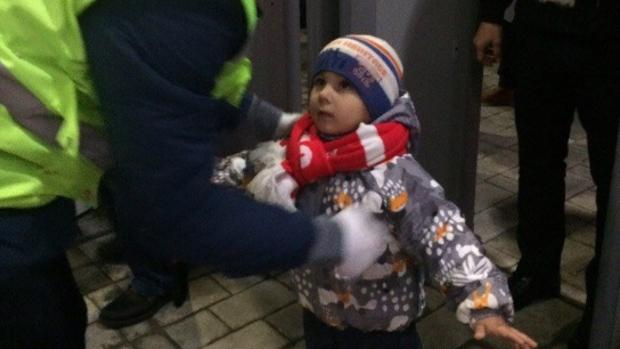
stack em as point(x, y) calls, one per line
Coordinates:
point(503, 94)
point(565, 61)
point(353, 149)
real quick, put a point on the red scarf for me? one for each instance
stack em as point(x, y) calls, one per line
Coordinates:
point(309, 158)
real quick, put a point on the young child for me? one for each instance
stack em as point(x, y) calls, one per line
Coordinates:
point(353, 147)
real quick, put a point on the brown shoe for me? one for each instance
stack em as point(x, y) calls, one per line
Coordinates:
point(499, 97)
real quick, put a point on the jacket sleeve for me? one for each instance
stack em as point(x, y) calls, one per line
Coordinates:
point(432, 229)
point(493, 10)
point(258, 123)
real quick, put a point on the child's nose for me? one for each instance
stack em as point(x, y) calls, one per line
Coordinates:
point(326, 92)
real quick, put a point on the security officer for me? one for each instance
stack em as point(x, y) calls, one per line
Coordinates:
point(168, 78)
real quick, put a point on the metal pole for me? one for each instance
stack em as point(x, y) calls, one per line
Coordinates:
point(434, 39)
point(275, 54)
point(606, 322)
point(322, 26)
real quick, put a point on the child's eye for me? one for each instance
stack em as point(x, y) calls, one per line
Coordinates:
point(344, 84)
point(318, 81)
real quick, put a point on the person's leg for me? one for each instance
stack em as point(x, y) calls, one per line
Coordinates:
point(544, 108)
point(352, 338)
point(40, 305)
point(317, 334)
point(599, 113)
point(506, 66)
point(42, 308)
point(154, 283)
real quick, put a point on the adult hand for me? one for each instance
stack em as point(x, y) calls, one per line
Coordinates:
point(364, 240)
point(285, 124)
point(495, 326)
point(488, 40)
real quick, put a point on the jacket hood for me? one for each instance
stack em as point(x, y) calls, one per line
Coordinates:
point(404, 112)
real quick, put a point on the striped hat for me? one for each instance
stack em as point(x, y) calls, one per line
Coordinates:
point(370, 64)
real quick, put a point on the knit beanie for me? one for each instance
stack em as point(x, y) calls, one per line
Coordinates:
point(370, 64)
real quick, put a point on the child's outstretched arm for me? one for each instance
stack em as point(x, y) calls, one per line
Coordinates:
point(495, 326)
point(432, 229)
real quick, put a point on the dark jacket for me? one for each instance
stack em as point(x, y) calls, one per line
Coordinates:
point(588, 19)
point(154, 64)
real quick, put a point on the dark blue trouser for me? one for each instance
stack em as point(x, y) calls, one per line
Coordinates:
point(558, 75)
point(40, 305)
point(319, 335)
point(506, 65)
point(152, 276)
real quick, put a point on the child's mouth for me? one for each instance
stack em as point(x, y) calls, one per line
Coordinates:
point(324, 114)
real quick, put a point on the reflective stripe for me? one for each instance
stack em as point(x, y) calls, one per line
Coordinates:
point(251, 14)
point(32, 173)
point(27, 111)
point(232, 82)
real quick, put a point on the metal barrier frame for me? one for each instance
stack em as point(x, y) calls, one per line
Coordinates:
point(606, 323)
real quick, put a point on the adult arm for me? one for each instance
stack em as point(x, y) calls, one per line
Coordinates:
point(260, 121)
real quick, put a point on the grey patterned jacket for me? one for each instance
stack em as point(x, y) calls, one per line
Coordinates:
point(429, 240)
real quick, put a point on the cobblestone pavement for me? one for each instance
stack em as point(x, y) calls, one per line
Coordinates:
point(260, 312)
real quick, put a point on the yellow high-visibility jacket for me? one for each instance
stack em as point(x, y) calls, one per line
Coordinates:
point(55, 150)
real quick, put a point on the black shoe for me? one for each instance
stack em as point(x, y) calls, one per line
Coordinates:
point(527, 290)
point(130, 307)
point(581, 337)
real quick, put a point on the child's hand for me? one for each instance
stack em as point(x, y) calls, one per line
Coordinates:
point(495, 326)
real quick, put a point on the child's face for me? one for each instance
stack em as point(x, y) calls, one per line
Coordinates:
point(334, 105)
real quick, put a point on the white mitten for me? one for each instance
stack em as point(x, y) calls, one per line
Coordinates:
point(364, 240)
point(285, 124)
point(275, 186)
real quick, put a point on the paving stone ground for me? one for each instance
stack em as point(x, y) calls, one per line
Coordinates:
point(260, 312)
